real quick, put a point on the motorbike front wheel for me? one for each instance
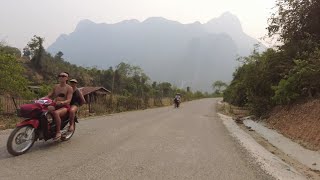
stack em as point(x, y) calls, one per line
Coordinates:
point(21, 140)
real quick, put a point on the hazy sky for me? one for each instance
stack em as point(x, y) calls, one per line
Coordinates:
point(21, 19)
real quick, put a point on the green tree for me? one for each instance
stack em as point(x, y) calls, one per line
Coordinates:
point(165, 89)
point(10, 50)
point(296, 24)
point(37, 50)
point(253, 81)
point(11, 76)
point(59, 55)
point(217, 86)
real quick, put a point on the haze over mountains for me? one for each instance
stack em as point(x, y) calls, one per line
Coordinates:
point(185, 54)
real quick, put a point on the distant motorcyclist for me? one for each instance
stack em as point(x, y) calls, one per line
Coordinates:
point(177, 100)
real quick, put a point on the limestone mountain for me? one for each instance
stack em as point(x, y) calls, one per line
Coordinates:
point(185, 54)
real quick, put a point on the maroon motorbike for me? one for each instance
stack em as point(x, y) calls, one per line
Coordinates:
point(38, 124)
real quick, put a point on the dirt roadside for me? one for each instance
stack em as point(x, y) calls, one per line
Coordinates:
point(299, 122)
point(238, 112)
point(309, 173)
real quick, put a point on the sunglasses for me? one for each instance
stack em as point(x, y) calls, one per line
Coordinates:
point(62, 75)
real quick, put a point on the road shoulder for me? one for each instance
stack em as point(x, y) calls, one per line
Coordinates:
point(269, 162)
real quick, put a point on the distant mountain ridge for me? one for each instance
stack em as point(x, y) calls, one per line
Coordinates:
point(185, 54)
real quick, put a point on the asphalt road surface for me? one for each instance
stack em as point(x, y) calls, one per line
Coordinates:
point(163, 143)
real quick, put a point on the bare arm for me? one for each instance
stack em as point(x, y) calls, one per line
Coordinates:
point(51, 92)
point(83, 101)
point(69, 95)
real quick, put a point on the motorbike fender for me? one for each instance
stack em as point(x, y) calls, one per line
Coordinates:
point(33, 122)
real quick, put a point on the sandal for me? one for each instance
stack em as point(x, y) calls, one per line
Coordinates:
point(69, 130)
point(64, 135)
point(57, 138)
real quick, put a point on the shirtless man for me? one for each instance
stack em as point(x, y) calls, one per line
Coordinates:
point(62, 94)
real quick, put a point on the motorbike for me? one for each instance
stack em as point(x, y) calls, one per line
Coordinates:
point(176, 103)
point(38, 124)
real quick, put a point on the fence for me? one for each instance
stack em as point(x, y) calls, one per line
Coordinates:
point(117, 104)
point(120, 104)
point(7, 105)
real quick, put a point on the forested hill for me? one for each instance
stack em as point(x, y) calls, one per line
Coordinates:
point(287, 73)
point(36, 67)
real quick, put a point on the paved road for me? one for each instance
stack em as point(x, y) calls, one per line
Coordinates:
point(163, 143)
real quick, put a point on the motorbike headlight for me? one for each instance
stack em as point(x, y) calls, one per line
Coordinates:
point(49, 117)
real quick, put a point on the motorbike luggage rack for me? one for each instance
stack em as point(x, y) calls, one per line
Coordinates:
point(15, 105)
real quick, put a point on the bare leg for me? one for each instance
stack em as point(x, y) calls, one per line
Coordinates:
point(57, 114)
point(72, 114)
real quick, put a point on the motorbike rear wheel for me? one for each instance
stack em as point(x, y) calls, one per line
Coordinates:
point(66, 135)
point(21, 140)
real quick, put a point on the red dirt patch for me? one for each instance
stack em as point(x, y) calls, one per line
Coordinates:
point(300, 122)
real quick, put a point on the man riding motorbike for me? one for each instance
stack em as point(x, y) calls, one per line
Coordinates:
point(62, 95)
point(177, 100)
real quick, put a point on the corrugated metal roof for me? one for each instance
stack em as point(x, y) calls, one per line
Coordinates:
point(88, 90)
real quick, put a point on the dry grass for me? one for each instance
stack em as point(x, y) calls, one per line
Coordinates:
point(8, 121)
point(230, 110)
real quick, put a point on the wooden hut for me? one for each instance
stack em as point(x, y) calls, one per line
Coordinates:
point(94, 94)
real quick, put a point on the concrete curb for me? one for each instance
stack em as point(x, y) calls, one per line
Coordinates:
point(272, 164)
